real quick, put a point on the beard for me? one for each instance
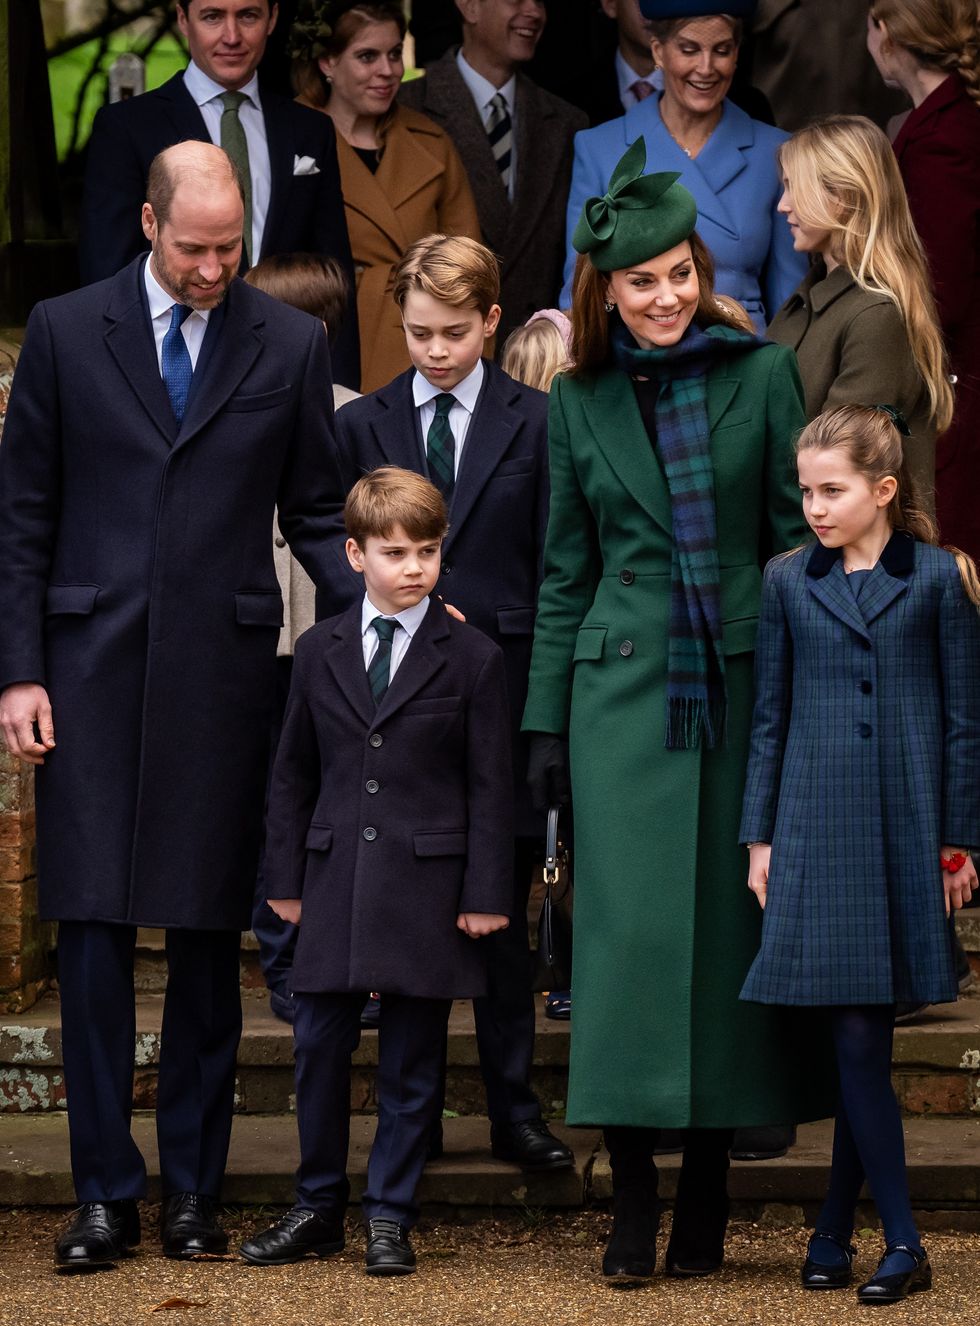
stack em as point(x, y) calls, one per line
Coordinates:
point(180, 287)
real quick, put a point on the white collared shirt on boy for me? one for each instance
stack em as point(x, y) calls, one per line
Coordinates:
point(409, 620)
point(483, 92)
point(467, 393)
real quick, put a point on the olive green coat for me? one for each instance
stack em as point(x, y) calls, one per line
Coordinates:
point(665, 927)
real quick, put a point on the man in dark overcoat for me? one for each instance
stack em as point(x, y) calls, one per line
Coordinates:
point(156, 420)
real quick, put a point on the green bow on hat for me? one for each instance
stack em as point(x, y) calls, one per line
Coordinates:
point(638, 217)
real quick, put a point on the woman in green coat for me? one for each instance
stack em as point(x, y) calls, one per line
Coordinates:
point(673, 482)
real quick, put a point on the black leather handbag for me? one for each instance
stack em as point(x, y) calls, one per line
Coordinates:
point(553, 968)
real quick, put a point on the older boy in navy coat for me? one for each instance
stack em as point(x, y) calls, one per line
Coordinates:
point(389, 842)
point(482, 439)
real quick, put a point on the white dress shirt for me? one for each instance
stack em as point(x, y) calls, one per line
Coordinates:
point(466, 392)
point(483, 92)
point(627, 76)
point(194, 325)
point(207, 96)
point(410, 620)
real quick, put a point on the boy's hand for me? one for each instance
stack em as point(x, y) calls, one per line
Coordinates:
point(287, 909)
point(478, 924)
point(959, 887)
point(759, 854)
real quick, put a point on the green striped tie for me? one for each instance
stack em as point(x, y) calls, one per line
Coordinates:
point(234, 143)
point(440, 447)
point(379, 669)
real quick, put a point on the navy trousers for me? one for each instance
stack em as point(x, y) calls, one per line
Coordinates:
point(411, 1037)
point(202, 1023)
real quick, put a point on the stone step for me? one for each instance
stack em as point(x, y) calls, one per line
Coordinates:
point(943, 1155)
point(936, 1061)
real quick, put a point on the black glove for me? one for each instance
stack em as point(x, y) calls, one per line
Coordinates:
point(547, 771)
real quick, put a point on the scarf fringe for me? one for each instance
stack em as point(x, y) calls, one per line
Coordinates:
point(693, 718)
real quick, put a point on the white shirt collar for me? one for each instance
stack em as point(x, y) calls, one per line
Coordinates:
point(410, 619)
point(204, 89)
point(466, 392)
point(481, 89)
point(159, 300)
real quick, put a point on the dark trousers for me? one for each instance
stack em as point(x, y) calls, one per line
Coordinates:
point(411, 1037)
point(202, 1023)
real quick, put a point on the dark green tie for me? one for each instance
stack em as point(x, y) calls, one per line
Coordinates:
point(440, 447)
point(234, 143)
point(379, 669)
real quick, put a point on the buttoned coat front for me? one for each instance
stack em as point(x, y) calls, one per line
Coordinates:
point(665, 928)
point(864, 758)
point(389, 822)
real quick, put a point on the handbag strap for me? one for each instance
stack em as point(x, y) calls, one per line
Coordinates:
point(552, 861)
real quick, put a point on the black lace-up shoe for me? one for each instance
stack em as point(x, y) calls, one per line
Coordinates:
point(531, 1145)
point(300, 1233)
point(388, 1250)
point(189, 1228)
point(100, 1234)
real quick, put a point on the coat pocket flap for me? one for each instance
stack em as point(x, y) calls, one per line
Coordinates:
point(258, 607)
point(515, 621)
point(319, 838)
point(440, 842)
point(589, 643)
point(738, 637)
point(78, 599)
point(519, 465)
point(263, 400)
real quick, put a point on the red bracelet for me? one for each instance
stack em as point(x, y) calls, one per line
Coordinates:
point(953, 863)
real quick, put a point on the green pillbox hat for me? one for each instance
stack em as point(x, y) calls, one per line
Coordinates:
point(639, 216)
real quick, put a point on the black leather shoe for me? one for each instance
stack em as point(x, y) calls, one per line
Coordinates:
point(299, 1233)
point(631, 1253)
point(188, 1227)
point(821, 1275)
point(531, 1145)
point(436, 1145)
point(899, 1284)
point(100, 1234)
point(765, 1143)
point(388, 1250)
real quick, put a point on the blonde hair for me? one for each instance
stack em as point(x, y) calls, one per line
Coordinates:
point(534, 354)
point(875, 448)
point(942, 34)
point(388, 497)
point(454, 269)
point(844, 179)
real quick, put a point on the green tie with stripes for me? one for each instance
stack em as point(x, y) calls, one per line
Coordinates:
point(234, 143)
point(379, 669)
point(440, 447)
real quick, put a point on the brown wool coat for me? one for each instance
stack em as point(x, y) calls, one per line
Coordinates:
point(420, 187)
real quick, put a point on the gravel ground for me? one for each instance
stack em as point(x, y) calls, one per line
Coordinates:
point(528, 1270)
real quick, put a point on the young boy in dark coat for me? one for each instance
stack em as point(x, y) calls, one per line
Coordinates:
point(389, 843)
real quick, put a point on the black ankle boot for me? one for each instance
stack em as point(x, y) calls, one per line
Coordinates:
point(631, 1252)
point(697, 1236)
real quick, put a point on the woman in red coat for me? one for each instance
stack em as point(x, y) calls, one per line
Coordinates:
point(931, 49)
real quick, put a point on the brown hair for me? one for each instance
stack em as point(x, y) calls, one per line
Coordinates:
point(590, 321)
point(942, 34)
point(875, 448)
point(451, 268)
point(308, 281)
point(332, 37)
point(534, 354)
point(662, 29)
point(388, 497)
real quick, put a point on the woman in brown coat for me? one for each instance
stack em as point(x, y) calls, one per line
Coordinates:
point(400, 173)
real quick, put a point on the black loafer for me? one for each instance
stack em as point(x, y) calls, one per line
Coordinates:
point(819, 1275)
point(188, 1227)
point(300, 1233)
point(531, 1145)
point(893, 1287)
point(100, 1234)
point(388, 1250)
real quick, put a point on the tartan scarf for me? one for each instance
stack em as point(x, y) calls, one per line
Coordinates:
point(696, 696)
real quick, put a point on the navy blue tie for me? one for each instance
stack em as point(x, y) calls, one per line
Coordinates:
point(176, 362)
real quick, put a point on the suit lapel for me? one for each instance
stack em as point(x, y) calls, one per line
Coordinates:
point(424, 658)
point(280, 164)
point(182, 111)
point(394, 424)
point(129, 339)
point(451, 97)
point(234, 350)
point(345, 659)
point(492, 430)
point(617, 426)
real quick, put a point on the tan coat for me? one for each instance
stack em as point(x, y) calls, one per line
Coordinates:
point(420, 187)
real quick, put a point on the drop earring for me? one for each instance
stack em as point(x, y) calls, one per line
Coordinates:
point(609, 306)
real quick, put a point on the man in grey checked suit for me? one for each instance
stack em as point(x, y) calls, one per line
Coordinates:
point(515, 140)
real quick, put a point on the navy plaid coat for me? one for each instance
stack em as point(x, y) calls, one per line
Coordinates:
point(864, 760)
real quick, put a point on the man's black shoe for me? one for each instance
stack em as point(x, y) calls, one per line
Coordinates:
point(188, 1227)
point(299, 1233)
point(388, 1250)
point(100, 1234)
point(764, 1143)
point(531, 1145)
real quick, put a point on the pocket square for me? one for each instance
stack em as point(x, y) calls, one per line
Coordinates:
point(305, 166)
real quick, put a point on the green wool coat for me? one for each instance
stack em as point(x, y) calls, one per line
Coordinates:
point(665, 926)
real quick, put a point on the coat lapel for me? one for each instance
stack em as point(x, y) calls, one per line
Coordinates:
point(280, 165)
point(369, 194)
point(889, 577)
point(827, 583)
point(129, 339)
point(408, 168)
point(393, 424)
point(232, 354)
point(424, 658)
point(491, 433)
point(345, 659)
point(643, 120)
point(449, 95)
point(617, 426)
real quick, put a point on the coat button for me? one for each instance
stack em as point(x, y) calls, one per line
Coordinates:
point(280, 541)
point(626, 577)
point(866, 688)
point(375, 739)
point(371, 785)
point(626, 648)
point(864, 729)
point(370, 834)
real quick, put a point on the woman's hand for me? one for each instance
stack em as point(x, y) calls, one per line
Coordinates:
point(759, 854)
point(287, 909)
point(547, 771)
point(478, 924)
point(959, 887)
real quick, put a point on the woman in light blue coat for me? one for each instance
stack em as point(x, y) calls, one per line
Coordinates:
point(726, 159)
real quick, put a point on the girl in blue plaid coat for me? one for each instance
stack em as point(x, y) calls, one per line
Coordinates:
point(862, 799)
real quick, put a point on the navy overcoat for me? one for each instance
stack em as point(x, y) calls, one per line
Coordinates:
point(137, 584)
point(389, 822)
point(864, 761)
